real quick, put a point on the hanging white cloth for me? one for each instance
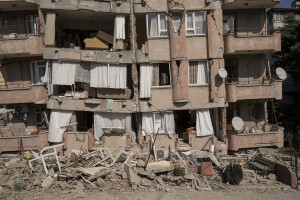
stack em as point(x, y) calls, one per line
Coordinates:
point(58, 118)
point(110, 120)
point(63, 73)
point(120, 27)
point(99, 75)
point(159, 122)
point(117, 76)
point(152, 25)
point(169, 123)
point(203, 125)
point(202, 73)
point(147, 123)
point(46, 76)
point(145, 80)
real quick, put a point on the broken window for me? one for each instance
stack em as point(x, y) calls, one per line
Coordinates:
point(108, 75)
point(198, 73)
point(157, 25)
point(37, 70)
point(161, 74)
point(196, 23)
point(161, 122)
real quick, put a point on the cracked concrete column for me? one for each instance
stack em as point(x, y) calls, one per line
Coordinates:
point(50, 29)
point(178, 51)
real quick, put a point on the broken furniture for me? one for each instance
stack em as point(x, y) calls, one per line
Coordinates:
point(107, 158)
point(42, 156)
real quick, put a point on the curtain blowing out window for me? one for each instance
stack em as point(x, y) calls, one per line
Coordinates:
point(63, 73)
point(58, 119)
point(146, 71)
point(203, 125)
point(162, 122)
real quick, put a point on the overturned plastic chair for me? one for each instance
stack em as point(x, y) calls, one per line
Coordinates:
point(42, 156)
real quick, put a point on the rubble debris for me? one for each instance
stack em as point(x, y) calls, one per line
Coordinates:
point(159, 167)
point(16, 163)
point(134, 179)
point(48, 182)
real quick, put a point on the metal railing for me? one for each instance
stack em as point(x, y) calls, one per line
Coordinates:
point(264, 81)
point(13, 28)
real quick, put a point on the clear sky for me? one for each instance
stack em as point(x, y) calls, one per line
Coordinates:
point(284, 4)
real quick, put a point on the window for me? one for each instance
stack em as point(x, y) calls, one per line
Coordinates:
point(157, 25)
point(38, 69)
point(196, 23)
point(198, 73)
point(108, 75)
point(280, 16)
point(161, 74)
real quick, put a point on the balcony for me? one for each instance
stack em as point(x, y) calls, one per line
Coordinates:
point(236, 91)
point(21, 47)
point(35, 94)
point(274, 137)
point(252, 43)
point(248, 4)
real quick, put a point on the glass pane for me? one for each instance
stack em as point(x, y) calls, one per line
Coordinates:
point(199, 22)
point(189, 20)
point(190, 32)
point(33, 73)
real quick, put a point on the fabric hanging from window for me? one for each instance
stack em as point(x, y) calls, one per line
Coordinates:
point(147, 123)
point(120, 120)
point(117, 76)
point(120, 27)
point(82, 73)
point(155, 79)
point(63, 73)
point(153, 25)
point(46, 76)
point(146, 71)
point(99, 75)
point(193, 71)
point(202, 73)
point(158, 123)
point(203, 125)
point(169, 123)
point(57, 120)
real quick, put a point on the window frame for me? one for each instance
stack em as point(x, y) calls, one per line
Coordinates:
point(194, 23)
point(34, 73)
point(208, 77)
point(158, 25)
point(163, 86)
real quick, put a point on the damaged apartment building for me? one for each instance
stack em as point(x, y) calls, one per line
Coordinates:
point(114, 73)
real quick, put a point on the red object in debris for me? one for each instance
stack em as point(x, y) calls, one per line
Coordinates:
point(36, 132)
point(207, 169)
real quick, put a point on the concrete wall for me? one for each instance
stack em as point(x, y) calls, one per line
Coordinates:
point(196, 47)
point(159, 49)
point(30, 46)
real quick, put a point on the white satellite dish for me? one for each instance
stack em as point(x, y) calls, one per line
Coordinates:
point(281, 73)
point(238, 123)
point(223, 73)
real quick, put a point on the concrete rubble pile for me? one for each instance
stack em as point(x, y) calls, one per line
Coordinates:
point(121, 170)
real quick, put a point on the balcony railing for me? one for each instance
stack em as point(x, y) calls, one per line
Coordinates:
point(253, 89)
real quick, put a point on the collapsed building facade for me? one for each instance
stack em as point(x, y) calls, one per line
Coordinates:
point(118, 72)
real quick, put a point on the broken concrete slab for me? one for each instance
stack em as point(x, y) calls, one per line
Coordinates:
point(161, 166)
point(48, 182)
point(16, 163)
point(101, 173)
point(207, 169)
point(134, 179)
point(101, 182)
point(286, 175)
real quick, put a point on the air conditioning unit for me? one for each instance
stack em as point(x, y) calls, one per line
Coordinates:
point(162, 153)
point(21, 108)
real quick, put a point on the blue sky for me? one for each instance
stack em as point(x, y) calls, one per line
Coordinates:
point(284, 4)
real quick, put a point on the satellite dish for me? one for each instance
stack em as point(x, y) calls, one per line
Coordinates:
point(281, 73)
point(238, 123)
point(223, 73)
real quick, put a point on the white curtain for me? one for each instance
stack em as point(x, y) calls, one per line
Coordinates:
point(152, 25)
point(189, 23)
point(145, 80)
point(58, 119)
point(117, 76)
point(163, 25)
point(99, 75)
point(111, 120)
point(120, 27)
point(199, 23)
point(46, 76)
point(202, 73)
point(203, 125)
point(159, 122)
point(147, 123)
point(63, 73)
point(169, 123)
